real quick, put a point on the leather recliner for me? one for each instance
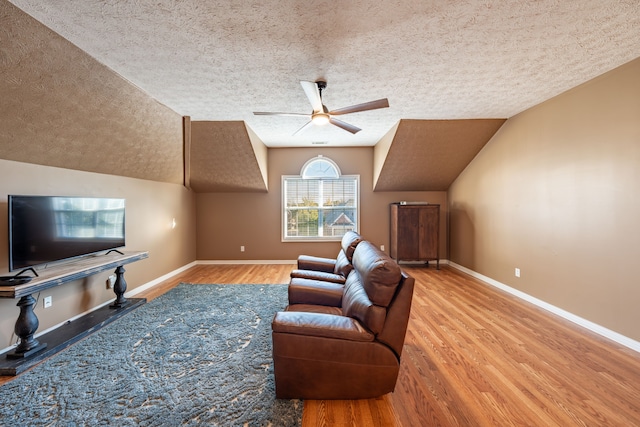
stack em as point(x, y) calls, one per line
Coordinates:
point(347, 350)
point(328, 269)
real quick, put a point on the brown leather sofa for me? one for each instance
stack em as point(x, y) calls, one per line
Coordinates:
point(328, 269)
point(349, 347)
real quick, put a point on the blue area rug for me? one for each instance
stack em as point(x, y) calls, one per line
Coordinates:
point(197, 355)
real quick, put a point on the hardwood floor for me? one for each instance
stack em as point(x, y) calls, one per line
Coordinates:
point(476, 356)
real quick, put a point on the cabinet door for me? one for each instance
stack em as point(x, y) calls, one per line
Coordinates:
point(408, 233)
point(428, 232)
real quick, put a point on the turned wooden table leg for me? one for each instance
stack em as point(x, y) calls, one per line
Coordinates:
point(119, 288)
point(26, 326)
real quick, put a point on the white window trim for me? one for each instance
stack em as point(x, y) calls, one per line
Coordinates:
point(320, 158)
point(283, 216)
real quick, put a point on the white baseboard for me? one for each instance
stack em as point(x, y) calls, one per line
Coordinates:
point(160, 279)
point(245, 261)
point(594, 327)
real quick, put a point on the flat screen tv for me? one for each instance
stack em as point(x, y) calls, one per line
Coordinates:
point(46, 229)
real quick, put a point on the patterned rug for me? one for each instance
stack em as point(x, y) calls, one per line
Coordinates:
point(197, 355)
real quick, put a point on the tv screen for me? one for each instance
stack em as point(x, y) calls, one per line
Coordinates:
point(44, 229)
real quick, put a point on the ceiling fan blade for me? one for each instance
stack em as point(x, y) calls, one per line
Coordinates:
point(312, 92)
point(345, 126)
point(306, 125)
point(264, 113)
point(372, 105)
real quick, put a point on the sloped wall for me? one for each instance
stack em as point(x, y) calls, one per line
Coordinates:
point(71, 126)
point(60, 107)
point(226, 157)
point(556, 193)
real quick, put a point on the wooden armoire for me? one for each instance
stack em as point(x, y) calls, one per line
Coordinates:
point(415, 232)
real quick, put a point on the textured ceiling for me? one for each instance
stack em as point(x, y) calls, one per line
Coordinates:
point(59, 107)
point(446, 59)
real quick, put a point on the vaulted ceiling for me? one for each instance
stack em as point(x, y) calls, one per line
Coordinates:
point(448, 68)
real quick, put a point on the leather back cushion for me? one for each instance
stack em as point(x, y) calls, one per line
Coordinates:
point(349, 242)
point(379, 273)
point(343, 267)
point(356, 304)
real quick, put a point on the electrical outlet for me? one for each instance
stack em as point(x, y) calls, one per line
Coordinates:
point(517, 272)
point(382, 248)
point(47, 302)
point(241, 248)
point(111, 280)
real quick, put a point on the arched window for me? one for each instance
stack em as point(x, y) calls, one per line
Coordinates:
point(320, 168)
point(320, 203)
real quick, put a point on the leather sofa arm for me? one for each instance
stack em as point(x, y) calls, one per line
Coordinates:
point(316, 292)
point(320, 325)
point(308, 262)
point(318, 275)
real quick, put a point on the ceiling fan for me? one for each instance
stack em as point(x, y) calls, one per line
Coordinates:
point(321, 114)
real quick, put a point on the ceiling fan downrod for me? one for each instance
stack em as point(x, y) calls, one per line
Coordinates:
point(321, 86)
point(321, 118)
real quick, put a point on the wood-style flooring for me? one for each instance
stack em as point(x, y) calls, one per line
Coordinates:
point(475, 356)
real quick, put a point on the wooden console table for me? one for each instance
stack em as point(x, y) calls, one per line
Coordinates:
point(31, 349)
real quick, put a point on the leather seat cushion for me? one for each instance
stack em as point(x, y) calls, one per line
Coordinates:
point(320, 325)
point(313, 308)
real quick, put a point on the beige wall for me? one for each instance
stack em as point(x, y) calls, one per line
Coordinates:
point(150, 208)
point(556, 193)
point(63, 110)
point(227, 221)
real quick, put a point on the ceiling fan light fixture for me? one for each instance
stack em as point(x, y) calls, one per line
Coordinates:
point(320, 119)
point(321, 115)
